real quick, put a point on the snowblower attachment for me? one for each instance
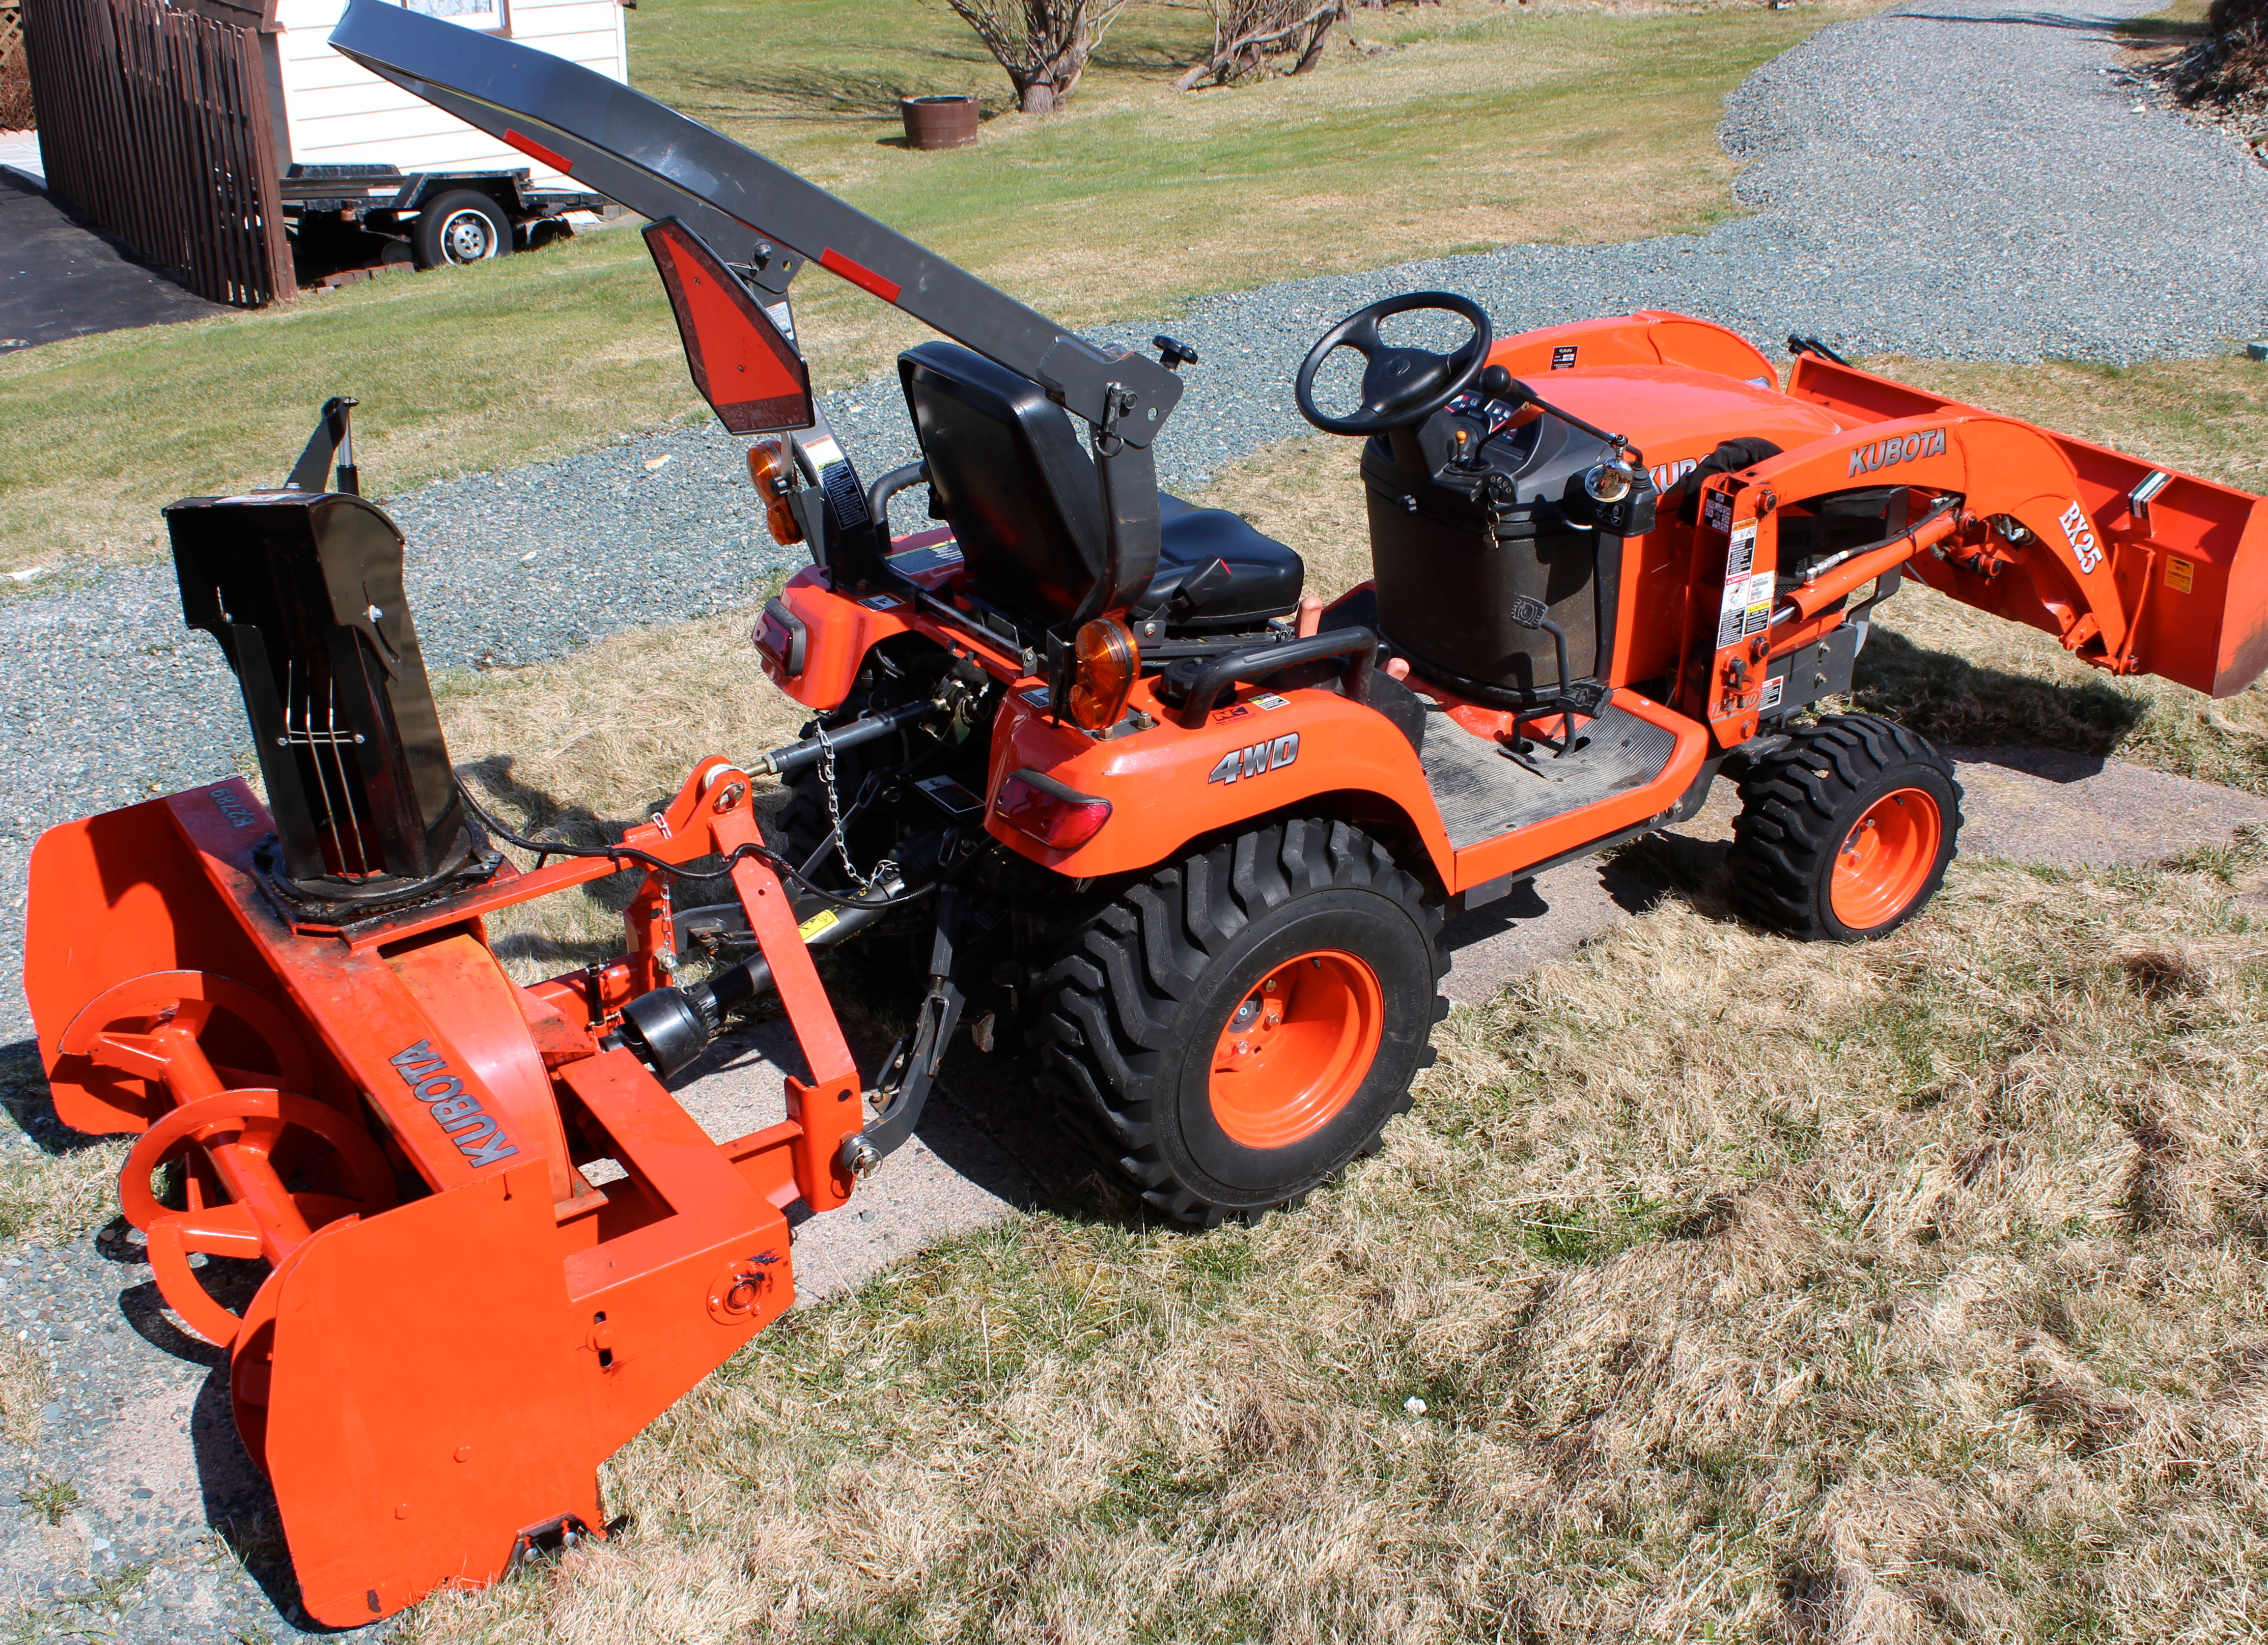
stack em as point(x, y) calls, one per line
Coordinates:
point(296, 1006)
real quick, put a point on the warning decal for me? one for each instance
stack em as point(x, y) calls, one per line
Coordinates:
point(1743, 556)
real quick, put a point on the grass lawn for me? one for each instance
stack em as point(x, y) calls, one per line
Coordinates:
point(1458, 126)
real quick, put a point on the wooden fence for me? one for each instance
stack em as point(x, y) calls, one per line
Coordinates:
point(154, 125)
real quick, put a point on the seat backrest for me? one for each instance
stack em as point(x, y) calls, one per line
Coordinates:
point(1008, 472)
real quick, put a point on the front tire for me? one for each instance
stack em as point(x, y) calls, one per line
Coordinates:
point(1233, 1029)
point(1845, 832)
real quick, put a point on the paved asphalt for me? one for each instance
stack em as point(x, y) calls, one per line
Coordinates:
point(59, 279)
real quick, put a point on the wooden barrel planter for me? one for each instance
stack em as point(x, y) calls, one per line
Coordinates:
point(939, 123)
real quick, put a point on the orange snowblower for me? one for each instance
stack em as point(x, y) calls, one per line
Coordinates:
point(1133, 798)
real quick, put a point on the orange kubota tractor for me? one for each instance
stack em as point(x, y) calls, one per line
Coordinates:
point(1090, 748)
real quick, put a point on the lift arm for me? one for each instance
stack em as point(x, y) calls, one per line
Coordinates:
point(758, 214)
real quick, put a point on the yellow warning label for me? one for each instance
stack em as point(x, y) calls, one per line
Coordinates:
point(824, 919)
point(2180, 574)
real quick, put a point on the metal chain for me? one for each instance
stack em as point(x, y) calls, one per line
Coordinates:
point(865, 882)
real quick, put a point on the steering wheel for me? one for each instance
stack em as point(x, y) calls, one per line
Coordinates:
point(1400, 388)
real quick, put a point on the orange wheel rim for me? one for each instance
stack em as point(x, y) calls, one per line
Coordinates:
point(1886, 859)
point(1296, 1048)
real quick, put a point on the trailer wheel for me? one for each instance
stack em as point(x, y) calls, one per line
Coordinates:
point(1233, 1029)
point(461, 226)
point(1845, 832)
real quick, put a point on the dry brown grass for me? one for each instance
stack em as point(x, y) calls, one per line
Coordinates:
point(25, 1384)
point(50, 1198)
point(1752, 1290)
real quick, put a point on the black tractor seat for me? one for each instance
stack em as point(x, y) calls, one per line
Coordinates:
point(1263, 575)
point(1009, 473)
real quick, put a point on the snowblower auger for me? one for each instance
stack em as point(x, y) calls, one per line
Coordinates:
point(296, 1006)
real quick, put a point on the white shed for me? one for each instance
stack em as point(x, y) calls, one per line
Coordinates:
point(330, 112)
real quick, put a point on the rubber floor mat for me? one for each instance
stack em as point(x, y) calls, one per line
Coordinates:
point(1483, 792)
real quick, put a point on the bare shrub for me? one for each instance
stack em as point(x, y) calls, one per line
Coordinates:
point(1254, 37)
point(1043, 44)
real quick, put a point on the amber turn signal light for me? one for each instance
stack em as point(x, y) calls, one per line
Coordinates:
point(769, 473)
point(1105, 661)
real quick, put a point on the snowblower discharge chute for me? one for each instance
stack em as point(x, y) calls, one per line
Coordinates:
point(1150, 809)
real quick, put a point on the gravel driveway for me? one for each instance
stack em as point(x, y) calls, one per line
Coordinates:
point(1960, 180)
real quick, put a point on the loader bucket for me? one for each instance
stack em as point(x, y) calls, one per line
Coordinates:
point(2174, 565)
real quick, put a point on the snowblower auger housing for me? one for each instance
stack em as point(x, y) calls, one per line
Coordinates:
point(1089, 760)
point(295, 1005)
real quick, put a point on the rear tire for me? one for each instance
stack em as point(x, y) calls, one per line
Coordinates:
point(1845, 833)
point(1233, 1029)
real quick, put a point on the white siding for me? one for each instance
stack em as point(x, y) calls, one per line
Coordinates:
point(336, 113)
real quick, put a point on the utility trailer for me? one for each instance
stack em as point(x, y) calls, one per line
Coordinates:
point(428, 218)
point(368, 172)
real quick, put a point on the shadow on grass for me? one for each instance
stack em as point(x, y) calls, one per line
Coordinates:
point(25, 1097)
point(828, 94)
point(536, 813)
point(1952, 701)
point(2151, 30)
point(2032, 19)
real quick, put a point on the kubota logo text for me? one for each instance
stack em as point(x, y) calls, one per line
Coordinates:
point(2079, 531)
point(1250, 762)
point(469, 1125)
point(1867, 459)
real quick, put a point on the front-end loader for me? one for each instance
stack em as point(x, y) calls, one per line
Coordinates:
point(1087, 764)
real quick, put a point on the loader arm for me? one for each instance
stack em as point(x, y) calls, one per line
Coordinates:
point(655, 161)
point(2156, 578)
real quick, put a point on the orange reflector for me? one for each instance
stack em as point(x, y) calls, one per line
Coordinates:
point(1105, 661)
point(768, 471)
point(536, 150)
point(1043, 810)
point(749, 374)
point(859, 274)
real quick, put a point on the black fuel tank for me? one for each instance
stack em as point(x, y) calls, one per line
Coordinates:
point(1446, 591)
